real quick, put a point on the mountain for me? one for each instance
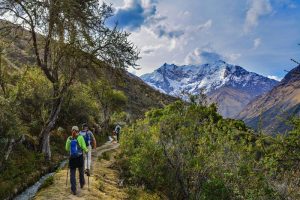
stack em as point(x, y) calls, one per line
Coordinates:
point(230, 86)
point(271, 110)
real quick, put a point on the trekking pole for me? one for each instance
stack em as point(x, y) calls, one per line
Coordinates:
point(88, 174)
point(67, 177)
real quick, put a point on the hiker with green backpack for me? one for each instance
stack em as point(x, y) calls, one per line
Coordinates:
point(76, 146)
point(90, 142)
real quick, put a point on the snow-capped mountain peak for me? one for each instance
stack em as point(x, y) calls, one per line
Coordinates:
point(173, 79)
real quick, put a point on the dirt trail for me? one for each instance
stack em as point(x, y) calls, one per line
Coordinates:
point(104, 181)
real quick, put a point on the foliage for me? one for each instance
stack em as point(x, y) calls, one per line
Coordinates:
point(49, 181)
point(68, 37)
point(22, 169)
point(10, 124)
point(120, 118)
point(32, 94)
point(140, 194)
point(111, 100)
point(79, 107)
point(191, 152)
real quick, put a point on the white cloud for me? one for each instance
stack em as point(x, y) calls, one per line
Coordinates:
point(201, 27)
point(256, 43)
point(185, 14)
point(164, 31)
point(184, 27)
point(275, 78)
point(257, 9)
point(146, 50)
point(233, 57)
point(202, 56)
point(206, 25)
point(173, 44)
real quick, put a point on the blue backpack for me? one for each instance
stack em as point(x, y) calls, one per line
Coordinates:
point(87, 138)
point(75, 150)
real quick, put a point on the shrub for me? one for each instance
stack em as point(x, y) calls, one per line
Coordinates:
point(191, 152)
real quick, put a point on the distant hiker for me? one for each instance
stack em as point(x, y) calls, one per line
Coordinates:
point(112, 138)
point(76, 146)
point(90, 142)
point(118, 131)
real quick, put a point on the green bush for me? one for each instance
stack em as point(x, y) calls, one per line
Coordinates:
point(215, 189)
point(191, 152)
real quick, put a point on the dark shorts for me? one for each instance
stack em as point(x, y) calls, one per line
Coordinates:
point(77, 162)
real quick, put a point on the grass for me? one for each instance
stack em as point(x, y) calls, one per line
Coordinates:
point(25, 167)
point(101, 186)
point(136, 193)
point(105, 155)
point(22, 165)
point(49, 181)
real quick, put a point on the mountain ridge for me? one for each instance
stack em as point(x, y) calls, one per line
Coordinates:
point(272, 110)
point(214, 78)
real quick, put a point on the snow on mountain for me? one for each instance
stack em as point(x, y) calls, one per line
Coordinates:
point(172, 79)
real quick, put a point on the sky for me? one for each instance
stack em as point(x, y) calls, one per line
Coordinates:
point(259, 35)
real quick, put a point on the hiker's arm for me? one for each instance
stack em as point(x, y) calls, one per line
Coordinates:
point(68, 144)
point(82, 144)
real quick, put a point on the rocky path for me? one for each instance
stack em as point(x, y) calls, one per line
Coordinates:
point(104, 181)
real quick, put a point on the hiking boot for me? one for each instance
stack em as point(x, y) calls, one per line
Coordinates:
point(87, 172)
point(81, 186)
point(74, 192)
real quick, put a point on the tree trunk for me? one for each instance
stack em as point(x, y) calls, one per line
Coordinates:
point(44, 140)
point(9, 148)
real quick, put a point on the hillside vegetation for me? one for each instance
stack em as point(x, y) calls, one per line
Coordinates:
point(17, 53)
point(191, 152)
point(25, 103)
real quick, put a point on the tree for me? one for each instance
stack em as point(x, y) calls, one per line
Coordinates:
point(111, 100)
point(3, 73)
point(68, 36)
point(79, 106)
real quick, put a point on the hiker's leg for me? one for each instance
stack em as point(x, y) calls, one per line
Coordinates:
point(81, 176)
point(85, 161)
point(118, 137)
point(89, 159)
point(73, 179)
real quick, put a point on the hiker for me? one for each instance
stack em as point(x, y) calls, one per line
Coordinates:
point(76, 146)
point(90, 142)
point(112, 138)
point(117, 132)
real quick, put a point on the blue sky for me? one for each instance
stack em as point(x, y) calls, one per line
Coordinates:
point(259, 35)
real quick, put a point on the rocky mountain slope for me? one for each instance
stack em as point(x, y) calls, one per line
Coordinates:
point(230, 86)
point(272, 110)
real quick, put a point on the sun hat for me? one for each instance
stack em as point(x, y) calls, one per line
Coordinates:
point(75, 128)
